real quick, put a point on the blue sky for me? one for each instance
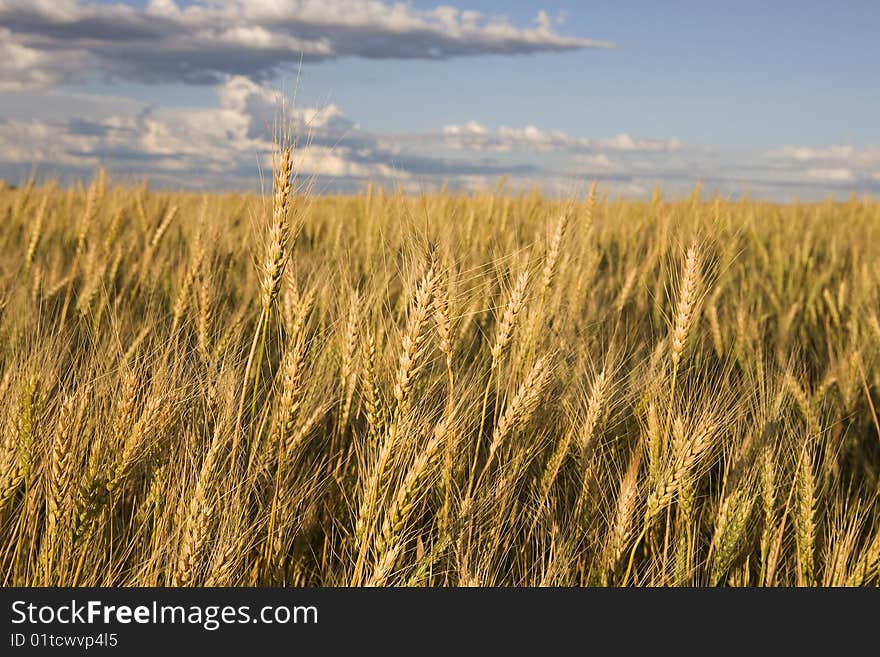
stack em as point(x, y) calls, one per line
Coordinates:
point(776, 100)
point(799, 72)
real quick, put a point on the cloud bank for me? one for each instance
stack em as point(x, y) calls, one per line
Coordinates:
point(476, 137)
point(842, 165)
point(225, 146)
point(44, 42)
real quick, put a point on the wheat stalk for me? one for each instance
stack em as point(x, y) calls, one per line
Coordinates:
point(199, 516)
point(622, 528)
point(372, 391)
point(684, 316)
point(414, 342)
point(805, 521)
point(520, 409)
point(503, 334)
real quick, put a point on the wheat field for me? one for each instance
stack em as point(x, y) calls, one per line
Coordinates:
point(498, 389)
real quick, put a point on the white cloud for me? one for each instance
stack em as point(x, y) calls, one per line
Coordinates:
point(626, 142)
point(505, 139)
point(333, 162)
point(44, 42)
point(836, 175)
point(841, 165)
point(22, 66)
point(596, 162)
point(225, 146)
point(469, 128)
point(195, 145)
point(836, 154)
point(808, 154)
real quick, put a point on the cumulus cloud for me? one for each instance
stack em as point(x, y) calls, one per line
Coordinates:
point(187, 145)
point(505, 139)
point(225, 146)
point(846, 153)
point(475, 137)
point(626, 142)
point(836, 175)
point(842, 166)
point(45, 42)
